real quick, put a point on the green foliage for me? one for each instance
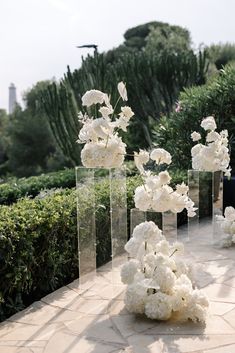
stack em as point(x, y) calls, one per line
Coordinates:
point(216, 98)
point(15, 189)
point(221, 54)
point(31, 146)
point(153, 83)
point(3, 139)
point(38, 242)
point(169, 38)
point(38, 249)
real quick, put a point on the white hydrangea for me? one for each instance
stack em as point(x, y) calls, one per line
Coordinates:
point(195, 136)
point(135, 298)
point(158, 282)
point(102, 154)
point(214, 155)
point(103, 147)
point(156, 194)
point(143, 198)
point(158, 306)
point(227, 224)
point(129, 271)
point(209, 123)
point(165, 278)
point(93, 97)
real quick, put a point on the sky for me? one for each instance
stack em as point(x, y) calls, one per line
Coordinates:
point(38, 38)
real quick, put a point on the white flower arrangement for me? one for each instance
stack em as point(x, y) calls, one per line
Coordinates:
point(103, 146)
point(156, 194)
point(158, 279)
point(214, 155)
point(227, 224)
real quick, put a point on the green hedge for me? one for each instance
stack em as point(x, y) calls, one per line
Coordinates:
point(38, 242)
point(15, 189)
point(215, 98)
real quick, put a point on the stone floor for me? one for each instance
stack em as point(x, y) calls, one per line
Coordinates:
point(92, 319)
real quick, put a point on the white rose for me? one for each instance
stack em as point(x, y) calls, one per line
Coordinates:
point(208, 123)
point(195, 136)
point(93, 97)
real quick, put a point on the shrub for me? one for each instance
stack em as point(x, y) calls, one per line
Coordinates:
point(16, 188)
point(216, 98)
point(38, 243)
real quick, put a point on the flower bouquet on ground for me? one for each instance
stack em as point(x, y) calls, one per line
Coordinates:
point(159, 282)
point(227, 224)
point(104, 148)
point(156, 194)
point(214, 154)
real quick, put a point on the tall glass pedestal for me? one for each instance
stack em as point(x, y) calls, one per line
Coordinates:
point(206, 190)
point(112, 182)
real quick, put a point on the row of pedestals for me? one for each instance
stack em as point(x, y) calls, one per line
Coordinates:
point(117, 220)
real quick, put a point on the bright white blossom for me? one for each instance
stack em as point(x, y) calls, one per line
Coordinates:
point(104, 154)
point(158, 282)
point(195, 136)
point(209, 123)
point(103, 147)
point(156, 194)
point(141, 159)
point(227, 224)
point(214, 155)
point(160, 156)
point(122, 90)
point(93, 97)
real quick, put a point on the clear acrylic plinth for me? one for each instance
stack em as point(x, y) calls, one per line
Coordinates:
point(166, 221)
point(112, 181)
point(206, 191)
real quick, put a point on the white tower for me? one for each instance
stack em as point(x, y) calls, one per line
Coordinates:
point(12, 98)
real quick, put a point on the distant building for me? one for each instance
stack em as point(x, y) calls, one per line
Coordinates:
point(12, 98)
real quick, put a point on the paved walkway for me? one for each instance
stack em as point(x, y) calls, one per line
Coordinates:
point(93, 319)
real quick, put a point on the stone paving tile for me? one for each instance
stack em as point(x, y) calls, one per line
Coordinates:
point(230, 318)
point(20, 343)
point(230, 348)
point(220, 308)
point(19, 331)
point(39, 313)
point(214, 325)
point(99, 328)
point(220, 292)
point(64, 342)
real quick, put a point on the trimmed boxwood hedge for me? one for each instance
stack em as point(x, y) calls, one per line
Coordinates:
point(15, 189)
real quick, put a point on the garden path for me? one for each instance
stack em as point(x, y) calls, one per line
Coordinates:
point(93, 319)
